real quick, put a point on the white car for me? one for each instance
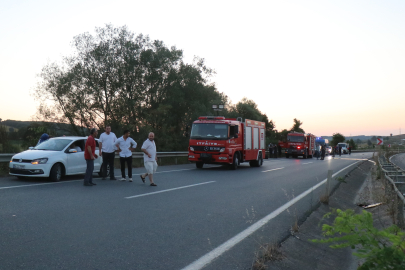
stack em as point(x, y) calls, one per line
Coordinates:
point(53, 158)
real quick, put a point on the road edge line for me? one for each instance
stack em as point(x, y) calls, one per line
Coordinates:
point(218, 251)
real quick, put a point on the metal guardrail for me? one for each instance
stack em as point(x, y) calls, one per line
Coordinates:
point(7, 157)
point(396, 176)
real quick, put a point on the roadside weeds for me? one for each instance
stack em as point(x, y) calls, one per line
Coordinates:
point(293, 249)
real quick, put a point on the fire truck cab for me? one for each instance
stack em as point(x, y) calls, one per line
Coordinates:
point(220, 140)
point(299, 144)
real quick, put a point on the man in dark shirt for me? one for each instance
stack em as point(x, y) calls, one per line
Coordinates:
point(90, 156)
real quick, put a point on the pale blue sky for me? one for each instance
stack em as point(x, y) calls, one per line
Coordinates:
point(338, 66)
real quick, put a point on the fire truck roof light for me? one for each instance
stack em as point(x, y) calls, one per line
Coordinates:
point(211, 118)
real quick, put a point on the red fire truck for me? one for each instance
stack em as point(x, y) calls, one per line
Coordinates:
point(299, 144)
point(220, 140)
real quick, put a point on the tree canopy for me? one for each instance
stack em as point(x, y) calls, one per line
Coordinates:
point(129, 82)
point(337, 138)
point(248, 109)
point(297, 126)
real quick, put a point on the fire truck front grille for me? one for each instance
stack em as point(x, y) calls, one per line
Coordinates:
point(207, 148)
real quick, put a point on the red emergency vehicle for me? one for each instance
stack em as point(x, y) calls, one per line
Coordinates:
point(299, 144)
point(220, 140)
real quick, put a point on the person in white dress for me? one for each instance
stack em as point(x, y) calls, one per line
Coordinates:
point(149, 158)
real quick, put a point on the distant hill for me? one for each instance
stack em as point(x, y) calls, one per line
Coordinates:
point(360, 137)
point(391, 140)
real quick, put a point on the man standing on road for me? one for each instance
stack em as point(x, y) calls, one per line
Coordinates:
point(340, 150)
point(317, 151)
point(106, 147)
point(350, 150)
point(323, 152)
point(90, 156)
point(125, 145)
point(149, 158)
point(270, 150)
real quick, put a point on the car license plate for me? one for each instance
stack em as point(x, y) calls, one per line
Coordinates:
point(18, 166)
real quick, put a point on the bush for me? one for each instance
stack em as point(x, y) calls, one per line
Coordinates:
point(381, 249)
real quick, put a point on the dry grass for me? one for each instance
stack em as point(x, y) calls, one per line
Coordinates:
point(295, 227)
point(271, 252)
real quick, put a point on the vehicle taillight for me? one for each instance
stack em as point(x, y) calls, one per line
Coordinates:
point(299, 147)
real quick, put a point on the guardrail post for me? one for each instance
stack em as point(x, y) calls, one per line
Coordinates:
point(400, 213)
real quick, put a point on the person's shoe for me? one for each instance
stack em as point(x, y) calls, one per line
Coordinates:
point(130, 179)
point(153, 184)
point(103, 178)
point(94, 184)
point(113, 178)
point(87, 185)
point(143, 178)
point(123, 179)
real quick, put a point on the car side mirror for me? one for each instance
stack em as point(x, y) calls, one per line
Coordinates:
point(72, 151)
point(31, 148)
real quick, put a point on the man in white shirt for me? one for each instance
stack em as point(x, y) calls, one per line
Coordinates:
point(125, 145)
point(149, 158)
point(106, 147)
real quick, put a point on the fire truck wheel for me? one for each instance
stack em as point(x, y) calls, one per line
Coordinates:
point(260, 160)
point(199, 165)
point(287, 156)
point(235, 162)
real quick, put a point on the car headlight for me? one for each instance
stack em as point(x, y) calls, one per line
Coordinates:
point(39, 161)
point(191, 148)
point(222, 150)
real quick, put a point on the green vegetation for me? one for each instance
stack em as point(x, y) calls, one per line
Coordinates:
point(131, 82)
point(337, 138)
point(352, 144)
point(6, 146)
point(381, 249)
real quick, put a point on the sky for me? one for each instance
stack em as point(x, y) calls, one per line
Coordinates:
point(338, 66)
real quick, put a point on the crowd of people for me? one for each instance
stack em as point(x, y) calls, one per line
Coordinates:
point(124, 146)
point(320, 151)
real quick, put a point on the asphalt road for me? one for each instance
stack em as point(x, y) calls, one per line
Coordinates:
point(399, 160)
point(186, 219)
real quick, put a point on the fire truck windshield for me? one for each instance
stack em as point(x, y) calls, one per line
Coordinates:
point(296, 138)
point(209, 131)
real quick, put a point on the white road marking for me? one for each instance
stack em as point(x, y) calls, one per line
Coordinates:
point(166, 190)
point(169, 171)
point(215, 253)
point(69, 181)
point(274, 169)
point(31, 185)
point(307, 163)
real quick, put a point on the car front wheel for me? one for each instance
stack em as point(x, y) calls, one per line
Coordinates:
point(56, 173)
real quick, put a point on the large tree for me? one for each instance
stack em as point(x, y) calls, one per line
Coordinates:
point(297, 126)
point(129, 82)
point(248, 109)
point(337, 138)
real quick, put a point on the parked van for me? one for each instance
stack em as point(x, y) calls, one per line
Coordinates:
point(345, 147)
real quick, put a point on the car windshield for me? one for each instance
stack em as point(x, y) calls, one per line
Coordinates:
point(53, 145)
point(296, 138)
point(209, 131)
